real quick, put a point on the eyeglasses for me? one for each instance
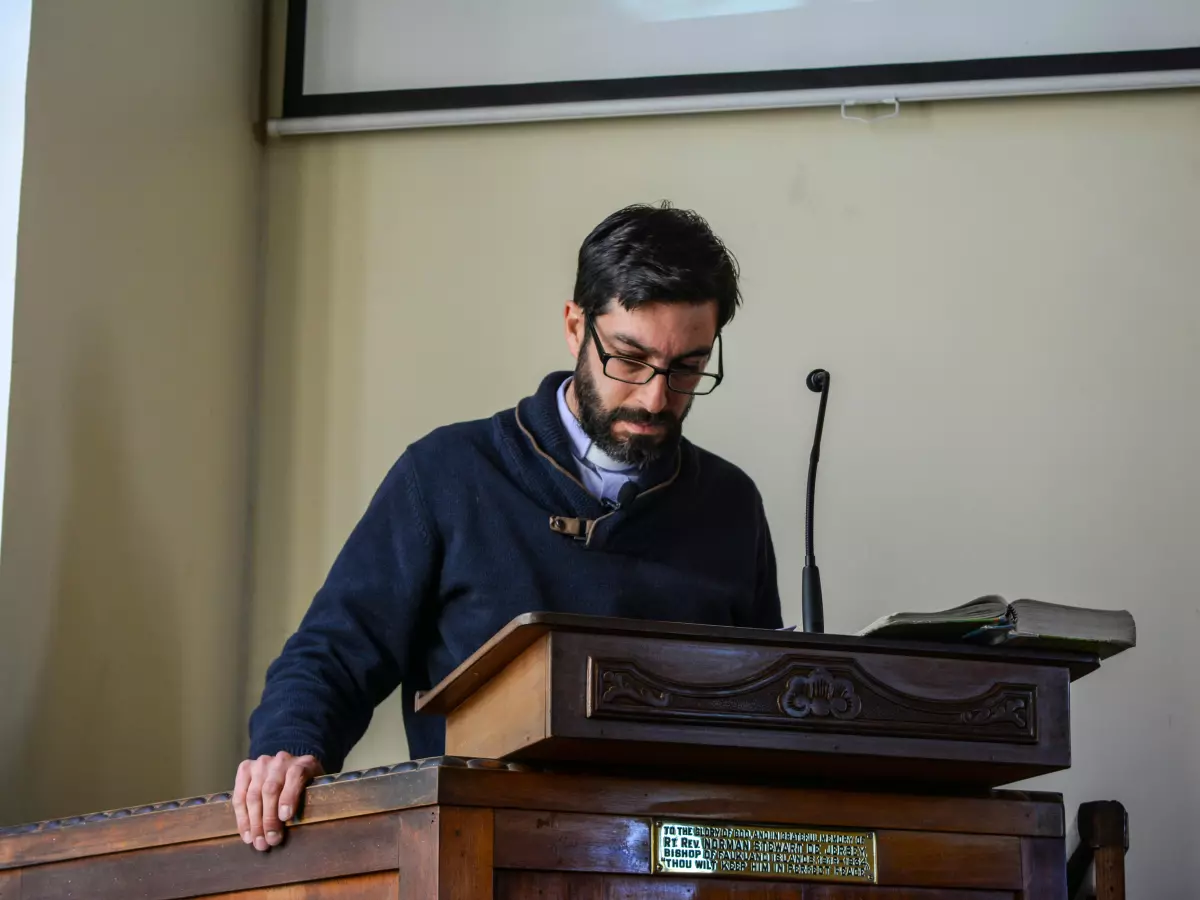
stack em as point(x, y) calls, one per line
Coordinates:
point(637, 371)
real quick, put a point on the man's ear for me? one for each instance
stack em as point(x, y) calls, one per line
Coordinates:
point(575, 327)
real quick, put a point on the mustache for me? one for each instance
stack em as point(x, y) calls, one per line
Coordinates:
point(638, 416)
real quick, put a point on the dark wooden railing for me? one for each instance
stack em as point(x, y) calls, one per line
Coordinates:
point(1103, 842)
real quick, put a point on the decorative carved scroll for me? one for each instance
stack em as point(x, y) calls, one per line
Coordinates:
point(820, 694)
point(812, 693)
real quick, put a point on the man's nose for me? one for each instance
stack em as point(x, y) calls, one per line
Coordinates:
point(654, 394)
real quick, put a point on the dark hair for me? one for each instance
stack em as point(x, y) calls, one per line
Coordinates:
point(644, 254)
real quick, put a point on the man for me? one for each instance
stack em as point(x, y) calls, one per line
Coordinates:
point(585, 498)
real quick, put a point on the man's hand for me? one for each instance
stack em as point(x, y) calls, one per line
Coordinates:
point(267, 793)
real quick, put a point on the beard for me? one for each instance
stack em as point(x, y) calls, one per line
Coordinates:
point(598, 423)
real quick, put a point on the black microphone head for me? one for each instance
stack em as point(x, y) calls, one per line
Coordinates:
point(628, 493)
point(816, 380)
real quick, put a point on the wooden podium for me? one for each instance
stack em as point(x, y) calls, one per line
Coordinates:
point(600, 759)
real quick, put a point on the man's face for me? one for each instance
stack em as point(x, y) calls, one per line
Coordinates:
point(638, 423)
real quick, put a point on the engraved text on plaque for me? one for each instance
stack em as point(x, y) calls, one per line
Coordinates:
point(809, 854)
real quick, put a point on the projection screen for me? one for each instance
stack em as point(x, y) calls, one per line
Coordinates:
point(406, 63)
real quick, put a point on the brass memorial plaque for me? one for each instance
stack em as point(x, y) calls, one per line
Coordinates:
point(760, 851)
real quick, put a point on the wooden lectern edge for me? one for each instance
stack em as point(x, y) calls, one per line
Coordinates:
point(497, 784)
point(497, 652)
point(523, 630)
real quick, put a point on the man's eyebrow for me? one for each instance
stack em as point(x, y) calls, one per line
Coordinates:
point(650, 351)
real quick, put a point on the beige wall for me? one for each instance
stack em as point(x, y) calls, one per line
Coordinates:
point(1005, 291)
point(124, 542)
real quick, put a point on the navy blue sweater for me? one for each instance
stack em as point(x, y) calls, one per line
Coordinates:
point(458, 541)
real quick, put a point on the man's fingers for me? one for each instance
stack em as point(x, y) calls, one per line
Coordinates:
point(293, 785)
point(239, 801)
point(272, 786)
point(254, 802)
point(267, 793)
point(312, 766)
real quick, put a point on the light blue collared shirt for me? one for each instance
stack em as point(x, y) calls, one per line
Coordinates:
point(602, 475)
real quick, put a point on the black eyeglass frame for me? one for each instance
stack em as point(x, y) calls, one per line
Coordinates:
point(605, 356)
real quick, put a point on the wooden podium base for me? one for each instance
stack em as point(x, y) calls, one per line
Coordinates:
point(600, 759)
point(479, 829)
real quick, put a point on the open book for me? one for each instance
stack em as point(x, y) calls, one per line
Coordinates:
point(1029, 623)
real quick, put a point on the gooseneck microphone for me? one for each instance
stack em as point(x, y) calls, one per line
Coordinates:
point(813, 603)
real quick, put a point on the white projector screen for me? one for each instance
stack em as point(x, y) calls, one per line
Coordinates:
point(420, 62)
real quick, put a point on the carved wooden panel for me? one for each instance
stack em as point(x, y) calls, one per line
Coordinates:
point(811, 693)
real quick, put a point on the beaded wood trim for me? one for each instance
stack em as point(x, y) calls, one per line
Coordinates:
point(435, 762)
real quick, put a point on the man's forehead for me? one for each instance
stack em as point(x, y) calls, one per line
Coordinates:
point(687, 329)
point(664, 325)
